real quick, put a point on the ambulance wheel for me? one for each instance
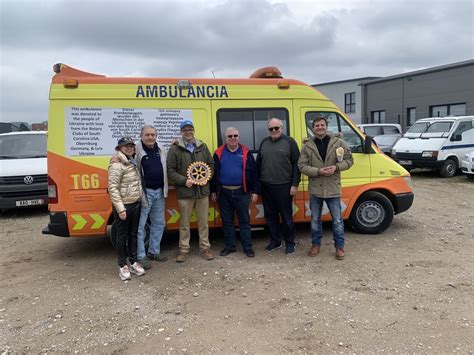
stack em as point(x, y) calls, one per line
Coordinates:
point(113, 235)
point(372, 213)
point(449, 168)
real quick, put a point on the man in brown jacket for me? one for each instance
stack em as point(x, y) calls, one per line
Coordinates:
point(322, 160)
point(185, 151)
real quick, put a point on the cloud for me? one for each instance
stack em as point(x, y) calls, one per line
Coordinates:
point(315, 41)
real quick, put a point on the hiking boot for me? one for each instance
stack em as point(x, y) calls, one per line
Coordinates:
point(181, 257)
point(226, 252)
point(124, 273)
point(137, 269)
point(273, 247)
point(157, 257)
point(340, 254)
point(145, 263)
point(207, 254)
point(250, 253)
point(289, 249)
point(314, 250)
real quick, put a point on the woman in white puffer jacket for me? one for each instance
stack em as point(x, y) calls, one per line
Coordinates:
point(126, 193)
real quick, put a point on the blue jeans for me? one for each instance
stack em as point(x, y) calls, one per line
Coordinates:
point(231, 201)
point(334, 205)
point(156, 210)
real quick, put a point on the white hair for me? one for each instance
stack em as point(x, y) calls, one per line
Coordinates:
point(147, 126)
point(229, 129)
point(276, 119)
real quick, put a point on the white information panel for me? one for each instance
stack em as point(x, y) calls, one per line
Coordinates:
point(94, 131)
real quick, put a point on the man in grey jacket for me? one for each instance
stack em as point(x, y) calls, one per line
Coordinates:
point(277, 167)
point(322, 160)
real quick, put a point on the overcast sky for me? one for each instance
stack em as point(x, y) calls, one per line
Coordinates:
point(314, 41)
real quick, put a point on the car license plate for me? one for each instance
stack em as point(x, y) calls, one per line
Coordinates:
point(30, 202)
point(404, 162)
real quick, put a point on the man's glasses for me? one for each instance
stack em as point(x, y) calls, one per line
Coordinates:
point(273, 129)
point(232, 136)
point(187, 130)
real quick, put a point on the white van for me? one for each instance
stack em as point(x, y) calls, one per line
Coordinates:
point(437, 143)
point(23, 169)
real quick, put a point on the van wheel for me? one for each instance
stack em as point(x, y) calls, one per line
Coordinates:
point(372, 213)
point(449, 168)
point(113, 235)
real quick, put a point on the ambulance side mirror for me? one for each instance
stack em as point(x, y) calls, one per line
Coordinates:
point(368, 144)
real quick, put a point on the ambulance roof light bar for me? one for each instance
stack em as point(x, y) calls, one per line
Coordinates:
point(267, 73)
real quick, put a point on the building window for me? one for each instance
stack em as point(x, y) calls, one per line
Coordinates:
point(411, 116)
point(350, 102)
point(378, 116)
point(448, 110)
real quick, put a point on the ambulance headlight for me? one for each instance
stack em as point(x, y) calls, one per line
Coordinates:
point(394, 152)
point(430, 154)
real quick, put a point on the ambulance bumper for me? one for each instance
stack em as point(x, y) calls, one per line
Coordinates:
point(403, 202)
point(57, 225)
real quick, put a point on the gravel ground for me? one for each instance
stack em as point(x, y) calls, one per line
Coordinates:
point(408, 290)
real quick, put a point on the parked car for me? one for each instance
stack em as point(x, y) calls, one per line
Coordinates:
point(467, 164)
point(386, 142)
point(378, 129)
point(438, 143)
point(23, 177)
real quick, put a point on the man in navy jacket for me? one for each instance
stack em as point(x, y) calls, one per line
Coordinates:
point(234, 185)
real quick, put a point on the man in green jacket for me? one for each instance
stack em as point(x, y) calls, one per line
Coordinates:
point(322, 159)
point(181, 155)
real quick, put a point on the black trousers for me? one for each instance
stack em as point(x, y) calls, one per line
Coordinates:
point(278, 205)
point(127, 229)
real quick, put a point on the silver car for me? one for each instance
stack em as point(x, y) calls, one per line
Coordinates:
point(386, 142)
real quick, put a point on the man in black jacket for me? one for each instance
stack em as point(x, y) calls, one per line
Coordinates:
point(277, 165)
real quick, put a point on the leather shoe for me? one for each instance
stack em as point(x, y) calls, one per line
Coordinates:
point(250, 253)
point(340, 254)
point(207, 254)
point(181, 257)
point(226, 252)
point(314, 250)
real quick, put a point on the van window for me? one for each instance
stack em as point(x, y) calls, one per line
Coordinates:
point(439, 127)
point(463, 127)
point(22, 146)
point(374, 131)
point(419, 127)
point(251, 123)
point(390, 130)
point(336, 124)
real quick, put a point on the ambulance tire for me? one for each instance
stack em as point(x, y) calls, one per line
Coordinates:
point(449, 168)
point(372, 213)
point(113, 235)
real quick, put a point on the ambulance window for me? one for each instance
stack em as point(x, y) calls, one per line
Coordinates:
point(251, 123)
point(336, 124)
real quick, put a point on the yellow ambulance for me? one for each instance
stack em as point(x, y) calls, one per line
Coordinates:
point(88, 112)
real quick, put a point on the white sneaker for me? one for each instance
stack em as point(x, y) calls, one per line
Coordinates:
point(124, 273)
point(137, 269)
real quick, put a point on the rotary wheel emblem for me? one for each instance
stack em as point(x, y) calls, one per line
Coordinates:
point(199, 172)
